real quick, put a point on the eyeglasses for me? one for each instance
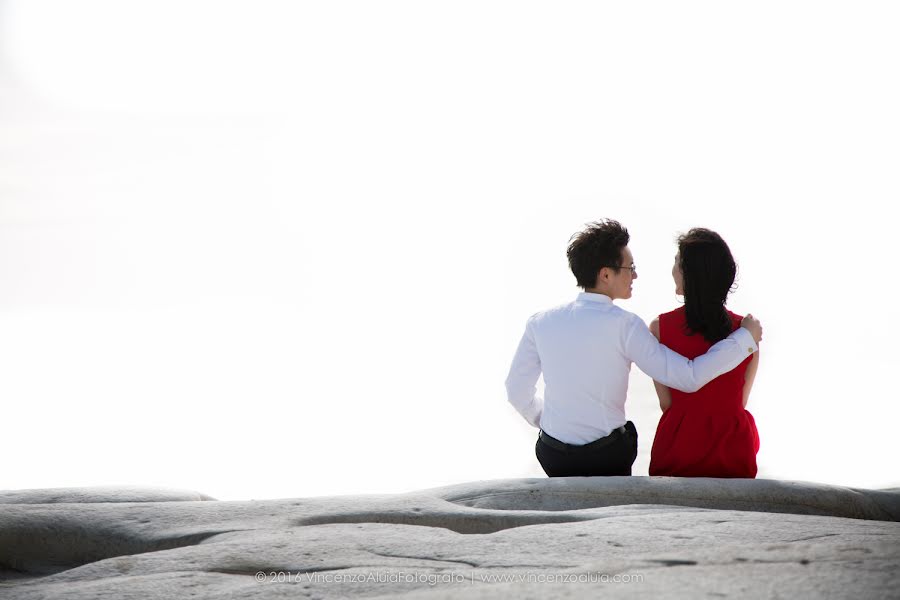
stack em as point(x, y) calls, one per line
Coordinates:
point(617, 267)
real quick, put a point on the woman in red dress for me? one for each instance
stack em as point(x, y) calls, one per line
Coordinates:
point(708, 433)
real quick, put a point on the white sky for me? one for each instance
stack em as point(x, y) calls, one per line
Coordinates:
point(279, 249)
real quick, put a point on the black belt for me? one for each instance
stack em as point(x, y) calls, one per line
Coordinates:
point(604, 441)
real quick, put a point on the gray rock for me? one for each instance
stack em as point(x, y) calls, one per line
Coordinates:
point(98, 494)
point(547, 538)
point(573, 493)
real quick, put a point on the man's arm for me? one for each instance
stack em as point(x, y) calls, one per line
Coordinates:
point(672, 369)
point(523, 375)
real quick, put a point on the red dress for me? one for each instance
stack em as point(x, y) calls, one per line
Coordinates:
point(707, 433)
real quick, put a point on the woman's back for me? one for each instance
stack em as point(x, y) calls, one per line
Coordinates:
point(724, 393)
point(706, 433)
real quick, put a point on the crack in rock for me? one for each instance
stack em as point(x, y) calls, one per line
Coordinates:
point(813, 537)
point(426, 558)
point(673, 563)
point(460, 523)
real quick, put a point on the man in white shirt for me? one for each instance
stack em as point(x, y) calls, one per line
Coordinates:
point(585, 349)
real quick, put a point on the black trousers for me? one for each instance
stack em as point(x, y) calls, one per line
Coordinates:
point(612, 455)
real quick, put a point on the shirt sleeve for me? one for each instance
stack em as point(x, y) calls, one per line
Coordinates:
point(672, 369)
point(522, 379)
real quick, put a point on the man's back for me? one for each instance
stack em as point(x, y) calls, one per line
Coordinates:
point(581, 351)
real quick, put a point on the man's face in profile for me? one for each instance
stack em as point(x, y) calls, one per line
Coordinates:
point(621, 281)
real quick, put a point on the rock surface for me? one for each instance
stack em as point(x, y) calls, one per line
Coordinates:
point(99, 494)
point(532, 538)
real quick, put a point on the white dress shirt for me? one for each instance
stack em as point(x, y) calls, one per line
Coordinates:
point(585, 350)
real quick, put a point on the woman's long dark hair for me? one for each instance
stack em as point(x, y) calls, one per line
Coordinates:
point(709, 271)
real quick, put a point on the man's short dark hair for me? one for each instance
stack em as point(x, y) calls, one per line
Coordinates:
point(599, 245)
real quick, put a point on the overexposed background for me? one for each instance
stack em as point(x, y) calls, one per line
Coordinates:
point(274, 249)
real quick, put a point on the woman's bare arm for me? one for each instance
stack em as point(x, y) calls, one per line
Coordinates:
point(749, 376)
point(662, 392)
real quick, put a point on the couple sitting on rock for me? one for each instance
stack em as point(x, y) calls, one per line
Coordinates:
point(701, 356)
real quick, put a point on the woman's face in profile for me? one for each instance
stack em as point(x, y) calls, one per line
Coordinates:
point(678, 276)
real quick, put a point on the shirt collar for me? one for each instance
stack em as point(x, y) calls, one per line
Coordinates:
point(596, 298)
